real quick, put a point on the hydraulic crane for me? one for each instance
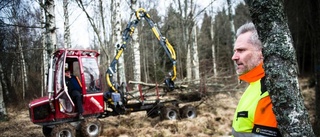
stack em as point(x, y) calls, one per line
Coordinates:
point(127, 34)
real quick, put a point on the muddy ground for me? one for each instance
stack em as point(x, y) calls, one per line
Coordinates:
point(213, 120)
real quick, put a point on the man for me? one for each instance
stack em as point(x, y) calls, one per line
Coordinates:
point(254, 115)
point(74, 90)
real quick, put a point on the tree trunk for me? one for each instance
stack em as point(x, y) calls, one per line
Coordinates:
point(121, 65)
point(3, 85)
point(24, 77)
point(43, 57)
point(230, 14)
point(51, 40)
point(67, 41)
point(136, 50)
point(215, 73)
point(194, 53)
point(281, 67)
point(233, 33)
point(188, 63)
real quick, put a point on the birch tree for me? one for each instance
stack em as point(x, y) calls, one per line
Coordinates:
point(50, 26)
point(233, 33)
point(50, 40)
point(213, 48)
point(67, 39)
point(281, 67)
point(136, 50)
point(194, 53)
point(24, 77)
point(16, 13)
point(185, 25)
point(43, 57)
point(3, 85)
point(121, 65)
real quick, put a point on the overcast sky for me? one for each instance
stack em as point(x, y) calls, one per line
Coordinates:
point(80, 35)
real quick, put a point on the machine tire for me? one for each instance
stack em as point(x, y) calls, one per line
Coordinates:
point(153, 112)
point(188, 111)
point(46, 131)
point(91, 127)
point(63, 130)
point(169, 113)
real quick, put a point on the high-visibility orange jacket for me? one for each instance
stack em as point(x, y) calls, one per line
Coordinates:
point(254, 115)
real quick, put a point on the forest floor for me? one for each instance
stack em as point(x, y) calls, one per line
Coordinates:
point(214, 119)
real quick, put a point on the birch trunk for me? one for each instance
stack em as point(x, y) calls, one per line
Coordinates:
point(121, 66)
point(67, 40)
point(51, 40)
point(215, 73)
point(185, 38)
point(44, 55)
point(230, 15)
point(136, 50)
point(23, 66)
point(3, 85)
point(281, 67)
point(188, 64)
point(195, 57)
point(50, 34)
point(233, 33)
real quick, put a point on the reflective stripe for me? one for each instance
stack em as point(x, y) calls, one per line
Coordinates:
point(267, 131)
point(242, 134)
point(245, 134)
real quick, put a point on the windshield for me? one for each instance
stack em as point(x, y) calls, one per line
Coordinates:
point(91, 75)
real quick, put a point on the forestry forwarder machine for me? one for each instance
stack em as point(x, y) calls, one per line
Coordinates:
point(56, 112)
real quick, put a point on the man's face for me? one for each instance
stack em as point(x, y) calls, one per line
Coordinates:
point(67, 73)
point(246, 55)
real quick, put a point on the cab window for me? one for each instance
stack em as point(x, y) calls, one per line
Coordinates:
point(91, 75)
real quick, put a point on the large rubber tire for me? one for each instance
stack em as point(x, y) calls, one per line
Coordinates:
point(169, 113)
point(91, 127)
point(154, 112)
point(188, 111)
point(46, 131)
point(63, 130)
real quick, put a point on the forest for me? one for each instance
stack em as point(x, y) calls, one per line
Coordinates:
point(201, 34)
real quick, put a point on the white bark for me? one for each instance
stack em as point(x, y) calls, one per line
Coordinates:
point(230, 13)
point(188, 63)
point(233, 33)
point(2, 104)
point(67, 40)
point(195, 57)
point(215, 72)
point(136, 50)
point(51, 38)
point(23, 66)
point(44, 55)
point(121, 66)
point(50, 26)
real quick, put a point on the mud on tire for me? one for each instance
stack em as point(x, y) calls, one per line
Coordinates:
point(63, 130)
point(91, 127)
point(46, 131)
point(188, 111)
point(169, 113)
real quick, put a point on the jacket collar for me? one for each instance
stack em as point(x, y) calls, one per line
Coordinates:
point(254, 74)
